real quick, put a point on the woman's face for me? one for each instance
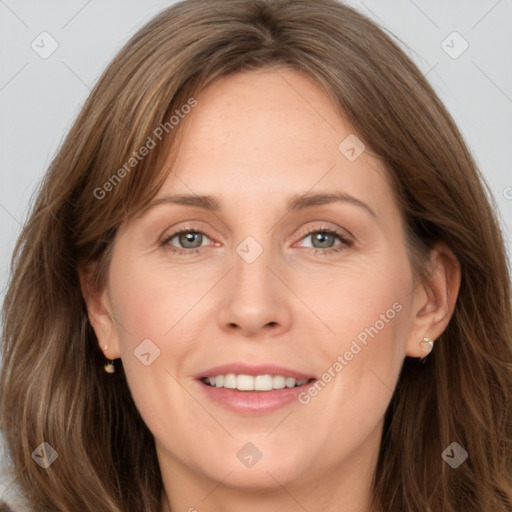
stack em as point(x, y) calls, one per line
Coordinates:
point(253, 287)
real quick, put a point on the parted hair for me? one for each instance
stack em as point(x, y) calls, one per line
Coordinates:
point(53, 386)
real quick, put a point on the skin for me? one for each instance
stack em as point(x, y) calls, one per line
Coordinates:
point(254, 140)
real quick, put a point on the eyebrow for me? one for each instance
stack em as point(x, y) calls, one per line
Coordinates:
point(306, 201)
point(295, 203)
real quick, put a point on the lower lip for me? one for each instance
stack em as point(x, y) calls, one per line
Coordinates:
point(254, 403)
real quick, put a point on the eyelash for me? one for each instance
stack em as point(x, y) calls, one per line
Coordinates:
point(345, 242)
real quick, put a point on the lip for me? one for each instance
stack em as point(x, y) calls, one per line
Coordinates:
point(253, 403)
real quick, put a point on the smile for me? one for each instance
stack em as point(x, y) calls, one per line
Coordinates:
point(243, 382)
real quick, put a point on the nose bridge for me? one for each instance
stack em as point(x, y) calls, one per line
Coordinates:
point(251, 274)
point(254, 297)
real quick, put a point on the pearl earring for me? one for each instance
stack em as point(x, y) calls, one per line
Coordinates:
point(109, 367)
point(426, 347)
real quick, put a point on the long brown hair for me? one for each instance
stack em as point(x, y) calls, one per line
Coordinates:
point(53, 386)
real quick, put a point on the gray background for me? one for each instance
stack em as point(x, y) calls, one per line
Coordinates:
point(39, 98)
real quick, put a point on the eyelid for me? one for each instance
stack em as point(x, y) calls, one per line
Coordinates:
point(344, 233)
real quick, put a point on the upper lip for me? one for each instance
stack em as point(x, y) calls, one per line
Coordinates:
point(246, 369)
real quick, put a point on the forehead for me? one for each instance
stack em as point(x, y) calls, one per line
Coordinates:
point(259, 133)
point(246, 111)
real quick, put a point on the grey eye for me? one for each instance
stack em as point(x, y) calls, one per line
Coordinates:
point(190, 239)
point(325, 240)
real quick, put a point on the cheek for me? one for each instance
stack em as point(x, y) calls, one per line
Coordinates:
point(365, 308)
point(149, 300)
point(150, 314)
point(364, 300)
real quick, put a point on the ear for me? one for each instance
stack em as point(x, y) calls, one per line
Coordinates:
point(434, 299)
point(100, 313)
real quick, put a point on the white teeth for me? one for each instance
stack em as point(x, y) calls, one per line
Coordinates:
point(245, 383)
point(229, 381)
point(263, 383)
point(258, 383)
point(278, 382)
point(290, 382)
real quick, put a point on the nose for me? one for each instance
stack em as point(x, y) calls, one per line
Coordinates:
point(256, 302)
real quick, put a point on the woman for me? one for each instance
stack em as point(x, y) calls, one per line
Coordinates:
point(262, 273)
